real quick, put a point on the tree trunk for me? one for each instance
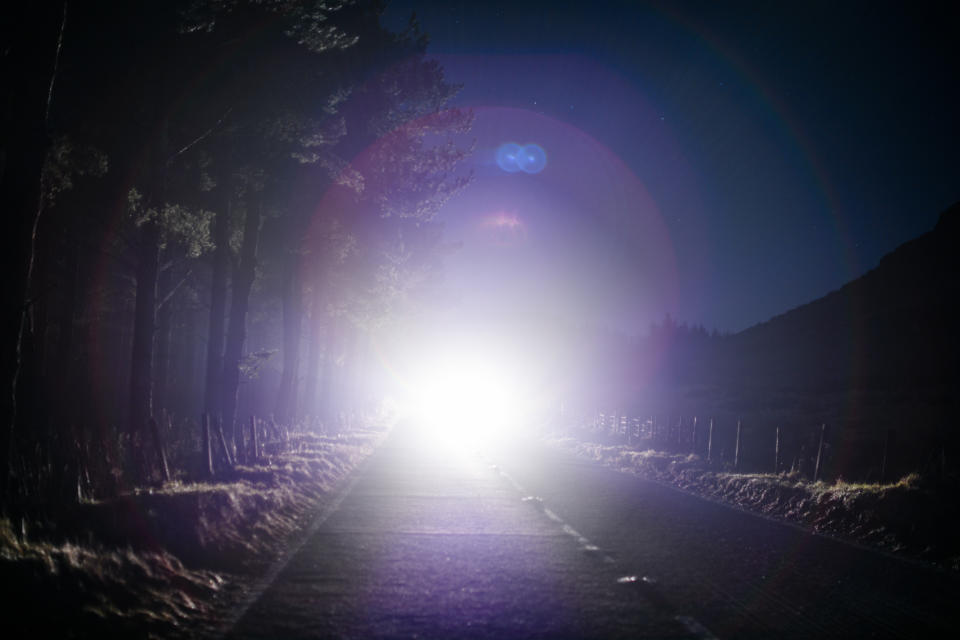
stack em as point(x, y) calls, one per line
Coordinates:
point(63, 351)
point(218, 305)
point(312, 374)
point(325, 395)
point(243, 277)
point(287, 397)
point(144, 326)
point(145, 305)
point(27, 72)
point(162, 359)
point(353, 369)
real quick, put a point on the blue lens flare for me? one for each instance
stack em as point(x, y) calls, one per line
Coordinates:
point(533, 158)
point(508, 157)
point(529, 158)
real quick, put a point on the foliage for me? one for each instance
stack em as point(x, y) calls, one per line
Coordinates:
point(252, 362)
point(186, 225)
point(65, 162)
point(306, 21)
point(329, 134)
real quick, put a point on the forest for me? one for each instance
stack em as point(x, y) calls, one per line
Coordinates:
point(209, 208)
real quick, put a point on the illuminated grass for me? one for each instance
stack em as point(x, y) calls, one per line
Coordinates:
point(900, 516)
point(101, 590)
point(164, 562)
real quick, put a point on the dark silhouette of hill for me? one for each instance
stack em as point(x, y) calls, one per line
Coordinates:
point(892, 330)
point(880, 354)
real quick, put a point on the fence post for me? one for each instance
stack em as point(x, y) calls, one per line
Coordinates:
point(736, 451)
point(207, 450)
point(693, 436)
point(161, 454)
point(223, 444)
point(818, 468)
point(254, 438)
point(885, 467)
point(241, 443)
point(776, 452)
point(710, 442)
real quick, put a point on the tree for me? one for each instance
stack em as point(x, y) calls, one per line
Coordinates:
point(408, 170)
point(31, 42)
point(244, 273)
point(270, 128)
point(298, 150)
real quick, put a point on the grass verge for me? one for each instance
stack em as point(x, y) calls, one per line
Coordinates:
point(168, 562)
point(908, 517)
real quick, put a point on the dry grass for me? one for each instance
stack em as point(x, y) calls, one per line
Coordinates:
point(59, 589)
point(165, 562)
point(902, 516)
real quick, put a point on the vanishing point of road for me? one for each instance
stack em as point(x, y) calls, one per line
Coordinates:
point(526, 542)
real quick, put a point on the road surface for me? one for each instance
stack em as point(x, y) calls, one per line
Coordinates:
point(524, 542)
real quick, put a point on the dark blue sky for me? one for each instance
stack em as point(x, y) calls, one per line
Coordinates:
point(723, 162)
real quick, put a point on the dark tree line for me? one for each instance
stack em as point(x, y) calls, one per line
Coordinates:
point(209, 206)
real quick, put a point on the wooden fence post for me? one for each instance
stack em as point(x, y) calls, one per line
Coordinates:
point(818, 468)
point(223, 444)
point(886, 466)
point(710, 442)
point(207, 449)
point(161, 454)
point(241, 443)
point(693, 436)
point(736, 451)
point(776, 452)
point(254, 438)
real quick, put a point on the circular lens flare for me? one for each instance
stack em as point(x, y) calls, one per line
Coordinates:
point(532, 159)
point(508, 157)
point(529, 158)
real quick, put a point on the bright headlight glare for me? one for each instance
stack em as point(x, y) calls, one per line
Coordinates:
point(466, 397)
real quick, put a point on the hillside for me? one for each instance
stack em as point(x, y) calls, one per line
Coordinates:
point(881, 353)
point(894, 328)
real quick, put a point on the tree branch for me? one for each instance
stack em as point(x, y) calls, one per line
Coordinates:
point(174, 289)
point(203, 136)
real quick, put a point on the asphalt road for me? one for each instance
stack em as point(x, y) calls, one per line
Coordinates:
point(523, 542)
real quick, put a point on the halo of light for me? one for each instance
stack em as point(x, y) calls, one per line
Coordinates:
point(529, 158)
point(532, 158)
point(508, 157)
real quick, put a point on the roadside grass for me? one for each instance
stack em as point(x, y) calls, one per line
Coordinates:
point(907, 516)
point(168, 562)
point(57, 590)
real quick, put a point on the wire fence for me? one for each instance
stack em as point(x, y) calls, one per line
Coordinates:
point(815, 452)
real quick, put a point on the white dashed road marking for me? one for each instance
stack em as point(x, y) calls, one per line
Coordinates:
point(690, 623)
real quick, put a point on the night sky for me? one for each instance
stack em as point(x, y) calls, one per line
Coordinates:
point(722, 164)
